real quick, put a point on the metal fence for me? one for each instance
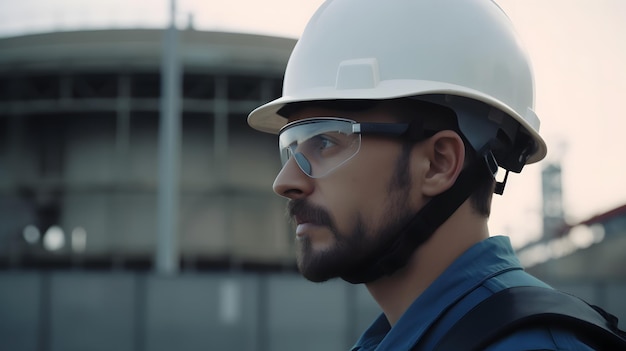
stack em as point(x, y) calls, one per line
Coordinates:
point(130, 311)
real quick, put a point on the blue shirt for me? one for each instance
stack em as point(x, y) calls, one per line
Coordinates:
point(486, 268)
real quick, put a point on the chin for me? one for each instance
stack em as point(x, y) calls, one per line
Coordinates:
point(315, 278)
point(313, 271)
point(316, 267)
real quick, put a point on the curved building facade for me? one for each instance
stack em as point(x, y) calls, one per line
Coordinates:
point(79, 126)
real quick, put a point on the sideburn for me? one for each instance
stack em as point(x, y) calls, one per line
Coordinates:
point(399, 189)
point(402, 174)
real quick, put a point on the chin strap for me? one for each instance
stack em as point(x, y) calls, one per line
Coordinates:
point(424, 223)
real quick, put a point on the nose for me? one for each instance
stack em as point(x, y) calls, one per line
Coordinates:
point(291, 182)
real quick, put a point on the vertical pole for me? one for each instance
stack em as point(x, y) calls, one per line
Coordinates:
point(169, 152)
point(122, 128)
point(220, 145)
point(45, 308)
point(140, 311)
point(220, 132)
point(351, 314)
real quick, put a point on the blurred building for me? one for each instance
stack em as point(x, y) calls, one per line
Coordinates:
point(588, 250)
point(79, 119)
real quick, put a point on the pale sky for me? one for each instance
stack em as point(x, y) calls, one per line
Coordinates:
point(578, 49)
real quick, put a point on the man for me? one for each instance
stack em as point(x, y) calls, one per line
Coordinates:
point(394, 119)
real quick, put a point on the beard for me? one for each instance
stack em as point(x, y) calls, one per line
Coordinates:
point(350, 251)
point(362, 245)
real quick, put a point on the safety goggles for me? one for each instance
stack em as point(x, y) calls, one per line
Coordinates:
point(322, 144)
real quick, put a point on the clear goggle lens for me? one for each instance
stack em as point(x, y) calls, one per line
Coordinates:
point(319, 145)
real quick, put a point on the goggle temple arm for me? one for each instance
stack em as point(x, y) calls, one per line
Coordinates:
point(414, 131)
point(391, 129)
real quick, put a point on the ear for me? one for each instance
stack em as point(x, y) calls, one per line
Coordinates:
point(445, 152)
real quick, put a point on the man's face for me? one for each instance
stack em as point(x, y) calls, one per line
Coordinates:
point(344, 218)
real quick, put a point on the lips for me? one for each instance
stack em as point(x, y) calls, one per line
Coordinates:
point(303, 225)
point(300, 219)
point(304, 228)
point(306, 215)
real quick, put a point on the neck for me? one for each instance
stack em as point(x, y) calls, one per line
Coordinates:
point(395, 293)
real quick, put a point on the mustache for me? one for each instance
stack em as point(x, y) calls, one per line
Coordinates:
point(306, 212)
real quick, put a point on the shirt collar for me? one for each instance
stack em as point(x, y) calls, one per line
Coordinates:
point(482, 261)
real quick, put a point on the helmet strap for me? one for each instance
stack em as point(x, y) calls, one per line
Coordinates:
point(421, 227)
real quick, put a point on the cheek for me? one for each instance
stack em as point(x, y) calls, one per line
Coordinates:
point(359, 189)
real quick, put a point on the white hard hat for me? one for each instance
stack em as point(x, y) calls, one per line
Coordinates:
point(365, 49)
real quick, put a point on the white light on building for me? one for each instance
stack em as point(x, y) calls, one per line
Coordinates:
point(31, 234)
point(54, 239)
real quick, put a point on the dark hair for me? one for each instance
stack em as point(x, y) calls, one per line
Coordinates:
point(482, 195)
point(440, 116)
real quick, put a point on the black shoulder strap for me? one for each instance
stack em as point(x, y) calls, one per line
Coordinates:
point(522, 307)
